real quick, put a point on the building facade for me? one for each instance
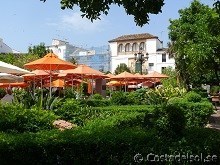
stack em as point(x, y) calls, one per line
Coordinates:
point(5, 48)
point(63, 49)
point(123, 48)
point(96, 57)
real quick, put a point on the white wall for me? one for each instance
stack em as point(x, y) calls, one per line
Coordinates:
point(151, 45)
point(4, 48)
point(156, 58)
point(113, 48)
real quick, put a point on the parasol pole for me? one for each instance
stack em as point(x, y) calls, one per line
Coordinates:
point(72, 82)
point(92, 84)
point(34, 86)
point(50, 83)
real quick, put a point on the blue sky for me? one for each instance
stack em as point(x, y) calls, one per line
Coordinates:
point(30, 22)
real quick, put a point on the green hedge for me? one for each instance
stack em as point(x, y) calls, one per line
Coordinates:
point(196, 113)
point(106, 146)
point(17, 119)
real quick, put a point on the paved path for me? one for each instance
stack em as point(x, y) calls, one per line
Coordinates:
point(214, 120)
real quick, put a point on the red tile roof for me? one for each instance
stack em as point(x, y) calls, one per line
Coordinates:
point(133, 37)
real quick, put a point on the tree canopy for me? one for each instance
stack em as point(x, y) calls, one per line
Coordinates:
point(195, 39)
point(92, 10)
point(140, 9)
point(39, 50)
point(121, 68)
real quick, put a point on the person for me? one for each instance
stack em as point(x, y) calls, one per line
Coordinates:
point(8, 98)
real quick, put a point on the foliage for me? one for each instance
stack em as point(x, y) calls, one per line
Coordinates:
point(172, 79)
point(121, 68)
point(169, 120)
point(70, 93)
point(214, 90)
point(39, 100)
point(68, 110)
point(119, 98)
point(18, 119)
point(193, 97)
point(92, 10)
point(94, 102)
point(18, 59)
point(196, 113)
point(73, 60)
point(195, 38)
point(163, 94)
point(97, 96)
point(39, 50)
point(103, 145)
point(202, 92)
point(2, 93)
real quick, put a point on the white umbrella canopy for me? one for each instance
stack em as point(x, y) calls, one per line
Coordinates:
point(9, 68)
point(9, 78)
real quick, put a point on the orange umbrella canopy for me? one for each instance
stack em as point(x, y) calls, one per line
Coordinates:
point(85, 71)
point(155, 74)
point(56, 83)
point(109, 75)
point(37, 74)
point(21, 85)
point(50, 62)
point(124, 75)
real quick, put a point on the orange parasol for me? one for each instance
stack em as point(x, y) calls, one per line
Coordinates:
point(84, 71)
point(56, 83)
point(21, 85)
point(124, 76)
point(109, 75)
point(50, 62)
point(114, 83)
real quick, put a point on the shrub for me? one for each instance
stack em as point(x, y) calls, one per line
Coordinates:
point(68, 109)
point(97, 96)
point(193, 97)
point(163, 94)
point(69, 93)
point(17, 119)
point(196, 113)
point(214, 90)
point(201, 91)
point(119, 98)
point(169, 120)
point(103, 145)
point(94, 102)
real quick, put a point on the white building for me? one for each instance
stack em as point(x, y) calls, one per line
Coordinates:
point(4, 48)
point(123, 48)
point(62, 48)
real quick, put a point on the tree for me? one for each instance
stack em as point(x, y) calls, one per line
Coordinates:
point(40, 50)
point(172, 79)
point(73, 60)
point(140, 9)
point(121, 68)
point(92, 10)
point(195, 39)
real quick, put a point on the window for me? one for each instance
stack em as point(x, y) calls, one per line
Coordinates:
point(134, 47)
point(151, 64)
point(127, 47)
point(142, 46)
point(164, 57)
point(162, 69)
point(120, 48)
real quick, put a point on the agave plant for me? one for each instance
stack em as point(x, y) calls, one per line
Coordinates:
point(39, 100)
